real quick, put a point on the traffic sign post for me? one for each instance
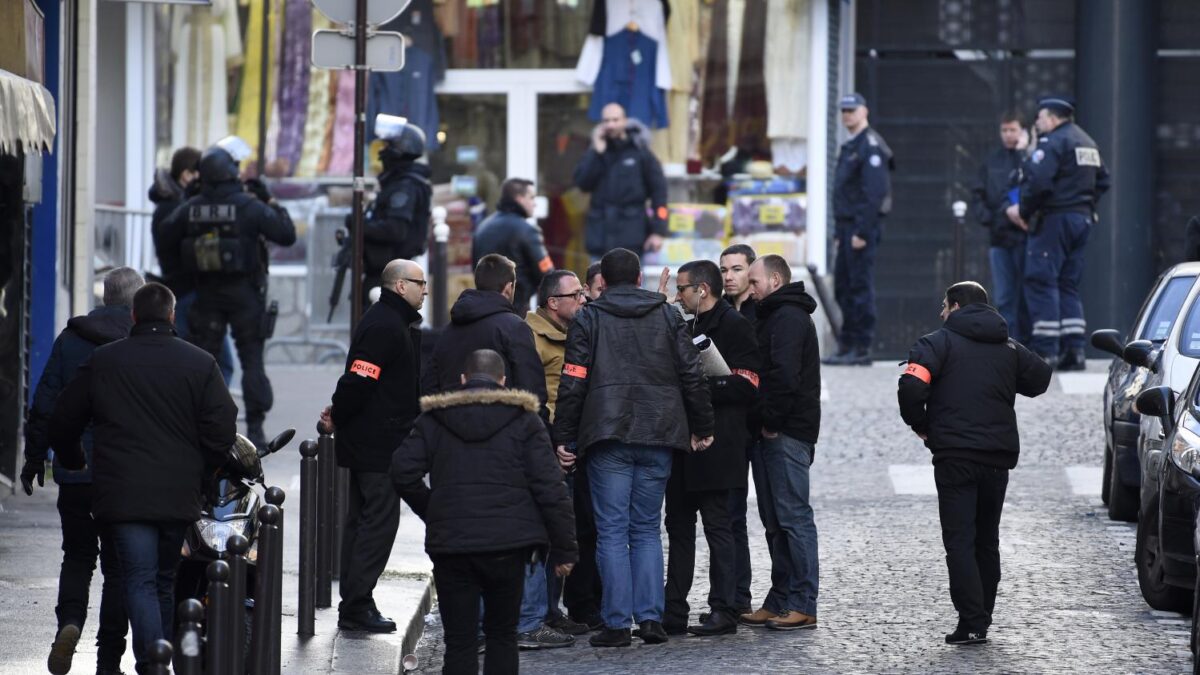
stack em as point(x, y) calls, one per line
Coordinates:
point(371, 51)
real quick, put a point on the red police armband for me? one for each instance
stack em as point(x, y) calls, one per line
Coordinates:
point(545, 265)
point(662, 213)
point(572, 370)
point(366, 369)
point(748, 374)
point(920, 372)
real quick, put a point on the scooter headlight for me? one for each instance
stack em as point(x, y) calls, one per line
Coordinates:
point(216, 534)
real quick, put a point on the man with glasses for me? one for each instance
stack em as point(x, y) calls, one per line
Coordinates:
point(374, 407)
point(510, 233)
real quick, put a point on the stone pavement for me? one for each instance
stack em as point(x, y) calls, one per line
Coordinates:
point(1068, 602)
point(29, 559)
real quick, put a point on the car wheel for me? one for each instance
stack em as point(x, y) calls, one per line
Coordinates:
point(1157, 592)
point(1106, 481)
point(1122, 500)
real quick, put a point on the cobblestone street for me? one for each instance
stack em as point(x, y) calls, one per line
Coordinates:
point(1068, 601)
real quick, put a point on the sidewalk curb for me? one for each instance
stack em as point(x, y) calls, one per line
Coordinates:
point(416, 623)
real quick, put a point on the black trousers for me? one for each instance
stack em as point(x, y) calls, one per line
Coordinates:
point(741, 548)
point(581, 590)
point(970, 499)
point(238, 304)
point(370, 531)
point(80, 546)
point(682, 507)
point(462, 580)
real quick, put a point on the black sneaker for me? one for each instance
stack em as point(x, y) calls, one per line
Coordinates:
point(62, 651)
point(544, 637)
point(668, 628)
point(966, 637)
point(562, 624)
point(860, 357)
point(841, 358)
point(1073, 359)
point(611, 637)
point(652, 632)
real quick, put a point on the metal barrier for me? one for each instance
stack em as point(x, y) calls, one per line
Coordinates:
point(327, 474)
point(123, 238)
point(217, 630)
point(265, 639)
point(160, 658)
point(275, 497)
point(237, 546)
point(189, 643)
point(306, 610)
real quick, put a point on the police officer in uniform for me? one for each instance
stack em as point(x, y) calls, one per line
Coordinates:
point(1061, 183)
point(220, 234)
point(397, 223)
point(862, 196)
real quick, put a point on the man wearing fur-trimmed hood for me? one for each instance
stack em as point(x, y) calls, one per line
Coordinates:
point(622, 174)
point(495, 502)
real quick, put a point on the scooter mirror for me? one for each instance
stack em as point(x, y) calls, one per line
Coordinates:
point(280, 440)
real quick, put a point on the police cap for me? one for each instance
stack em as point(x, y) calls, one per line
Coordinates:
point(1062, 106)
point(852, 101)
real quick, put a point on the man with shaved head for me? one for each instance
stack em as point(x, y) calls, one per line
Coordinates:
point(374, 406)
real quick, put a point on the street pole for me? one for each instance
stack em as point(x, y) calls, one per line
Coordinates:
point(360, 139)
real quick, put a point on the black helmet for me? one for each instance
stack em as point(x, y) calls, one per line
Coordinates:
point(404, 141)
point(219, 163)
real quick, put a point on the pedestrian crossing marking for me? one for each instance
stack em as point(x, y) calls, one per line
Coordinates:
point(1084, 480)
point(912, 479)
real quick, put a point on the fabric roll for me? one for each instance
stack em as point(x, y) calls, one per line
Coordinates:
point(786, 69)
point(319, 112)
point(295, 69)
point(206, 43)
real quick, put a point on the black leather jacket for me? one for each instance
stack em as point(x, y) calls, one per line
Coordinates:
point(508, 233)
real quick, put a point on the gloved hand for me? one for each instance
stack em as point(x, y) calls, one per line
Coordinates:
point(33, 469)
point(259, 189)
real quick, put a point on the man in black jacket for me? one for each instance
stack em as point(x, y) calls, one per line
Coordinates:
point(703, 481)
point(622, 174)
point(494, 504)
point(508, 233)
point(957, 394)
point(80, 532)
point(484, 318)
point(161, 420)
point(790, 414)
point(631, 393)
point(374, 406)
point(993, 193)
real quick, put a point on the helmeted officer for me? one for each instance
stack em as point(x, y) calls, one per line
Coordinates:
point(862, 197)
point(397, 222)
point(220, 234)
point(1061, 183)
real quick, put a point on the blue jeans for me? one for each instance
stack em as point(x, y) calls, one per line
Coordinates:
point(533, 599)
point(225, 359)
point(1008, 271)
point(628, 485)
point(781, 479)
point(148, 555)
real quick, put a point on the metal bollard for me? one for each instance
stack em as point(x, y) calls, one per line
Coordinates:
point(216, 632)
point(189, 659)
point(275, 497)
point(325, 553)
point(237, 546)
point(341, 505)
point(160, 658)
point(439, 259)
point(269, 550)
point(306, 610)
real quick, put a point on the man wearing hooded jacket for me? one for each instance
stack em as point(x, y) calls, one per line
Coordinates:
point(957, 394)
point(790, 414)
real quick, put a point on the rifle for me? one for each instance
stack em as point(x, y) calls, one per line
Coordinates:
point(341, 263)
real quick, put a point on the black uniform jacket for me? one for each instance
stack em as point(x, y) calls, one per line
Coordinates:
point(162, 419)
point(376, 399)
point(397, 224)
point(631, 374)
point(723, 465)
point(862, 184)
point(508, 233)
point(1064, 173)
point(494, 482)
point(960, 383)
point(621, 179)
point(790, 381)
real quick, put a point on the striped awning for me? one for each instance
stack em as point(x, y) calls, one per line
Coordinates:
point(26, 115)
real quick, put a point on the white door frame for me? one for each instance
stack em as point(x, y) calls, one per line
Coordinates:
point(521, 88)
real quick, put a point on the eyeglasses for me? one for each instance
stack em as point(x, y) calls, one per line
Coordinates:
point(419, 282)
point(680, 289)
point(577, 294)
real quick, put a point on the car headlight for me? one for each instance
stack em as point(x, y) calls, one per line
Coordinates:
point(1185, 449)
point(216, 534)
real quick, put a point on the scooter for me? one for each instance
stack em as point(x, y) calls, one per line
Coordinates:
point(230, 506)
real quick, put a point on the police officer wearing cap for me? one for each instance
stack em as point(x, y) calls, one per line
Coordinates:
point(1061, 184)
point(220, 234)
point(862, 197)
point(397, 222)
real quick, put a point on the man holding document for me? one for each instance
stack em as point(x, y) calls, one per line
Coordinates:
point(701, 481)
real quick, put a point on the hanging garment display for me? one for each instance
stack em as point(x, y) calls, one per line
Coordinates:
point(319, 113)
point(786, 68)
point(206, 44)
point(627, 77)
point(683, 34)
point(295, 67)
point(734, 107)
point(418, 24)
point(648, 17)
point(252, 84)
point(408, 93)
point(341, 154)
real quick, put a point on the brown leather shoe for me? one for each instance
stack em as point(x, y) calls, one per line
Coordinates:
point(759, 617)
point(792, 621)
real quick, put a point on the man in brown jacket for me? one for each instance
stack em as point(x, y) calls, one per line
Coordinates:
point(560, 295)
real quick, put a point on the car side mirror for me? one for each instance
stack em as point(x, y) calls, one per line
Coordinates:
point(280, 440)
point(1108, 340)
point(1139, 353)
point(1158, 402)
